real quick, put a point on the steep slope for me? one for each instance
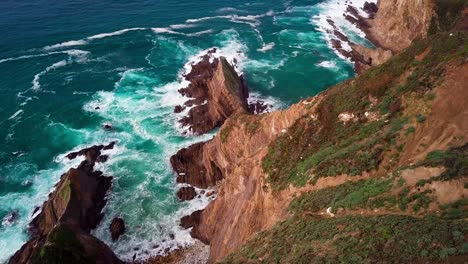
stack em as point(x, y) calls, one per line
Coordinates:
point(390, 144)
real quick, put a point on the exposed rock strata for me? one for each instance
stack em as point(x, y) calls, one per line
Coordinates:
point(216, 92)
point(391, 26)
point(71, 212)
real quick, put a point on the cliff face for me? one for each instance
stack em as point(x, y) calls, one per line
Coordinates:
point(216, 92)
point(389, 145)
point(60, 232)
point(399, 22)
point(391, 26)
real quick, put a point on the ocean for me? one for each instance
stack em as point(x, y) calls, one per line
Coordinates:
point(69, 67)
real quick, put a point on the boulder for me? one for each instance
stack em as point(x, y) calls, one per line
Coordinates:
point(117, 228)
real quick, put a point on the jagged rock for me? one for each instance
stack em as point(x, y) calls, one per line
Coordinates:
point(179, 109)
point(102, 158)
point(217, 92)
point(370, 8)
point(191, 168)
point(189, 221)
point(186, 193)
point(109, 146)
point(107, 127)
point(117, 228)
point(73, 208)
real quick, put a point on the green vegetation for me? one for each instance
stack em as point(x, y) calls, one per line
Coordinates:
point(456, 210)
point(65, 193)
point(448, 14)
point(327, 147)
point(62, 246)
point(355, 239)
point(350, 195)
point(455, 161)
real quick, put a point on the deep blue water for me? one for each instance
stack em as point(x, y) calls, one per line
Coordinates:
point(61, 59)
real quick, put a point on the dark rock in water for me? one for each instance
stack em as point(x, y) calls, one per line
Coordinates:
point(10, 218)
point(189, 221)
point(179, 109)
point(110, 146)
point(72, 210)
point(259, 107)
point(107, 127)
point(26, 183)
point(102, 158)
point(171, 236)
point(186, 193)
point(97, 108)
point(370, 8)
point(117, 228)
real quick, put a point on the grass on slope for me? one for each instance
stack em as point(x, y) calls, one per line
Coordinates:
point(356, 239)
point(314, 148)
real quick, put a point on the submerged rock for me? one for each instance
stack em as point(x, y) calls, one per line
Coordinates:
point(10, 218)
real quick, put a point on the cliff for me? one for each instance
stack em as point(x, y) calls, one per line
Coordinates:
point(60, 232)
point(384, 153)
point(390, 25)
point(216, 92)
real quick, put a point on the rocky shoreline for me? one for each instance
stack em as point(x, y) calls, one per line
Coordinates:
point(61, 230)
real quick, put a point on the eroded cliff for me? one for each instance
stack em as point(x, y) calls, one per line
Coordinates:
point(389, 145)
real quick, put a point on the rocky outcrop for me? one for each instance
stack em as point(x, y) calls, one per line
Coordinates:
point(391, 26)
point(216, 92)
point(60, 232)
point(243, 206)
point(117, 228)
point(399, 22)
point(186, 193)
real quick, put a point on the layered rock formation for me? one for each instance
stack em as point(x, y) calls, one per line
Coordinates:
point(398, 23)
point(366, 128)
point(60, 232)
point(391, 26)
point(216, 92)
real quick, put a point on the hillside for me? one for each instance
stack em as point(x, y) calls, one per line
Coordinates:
point(371, 170)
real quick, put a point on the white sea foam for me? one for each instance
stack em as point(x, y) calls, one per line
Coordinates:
point(165, 30)
point(170, 31)
point(203, 32)
point(270, 101)
point(328, 65)
point(85, 41)
point(66, 44)
point(69, 52)
point(16, 114)
point(115, 33)
point(229, 10)
point(182, 26)
point(334, 10)
point(267, 47)
point(36, 85)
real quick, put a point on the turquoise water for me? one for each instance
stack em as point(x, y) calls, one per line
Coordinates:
point(59, 60)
